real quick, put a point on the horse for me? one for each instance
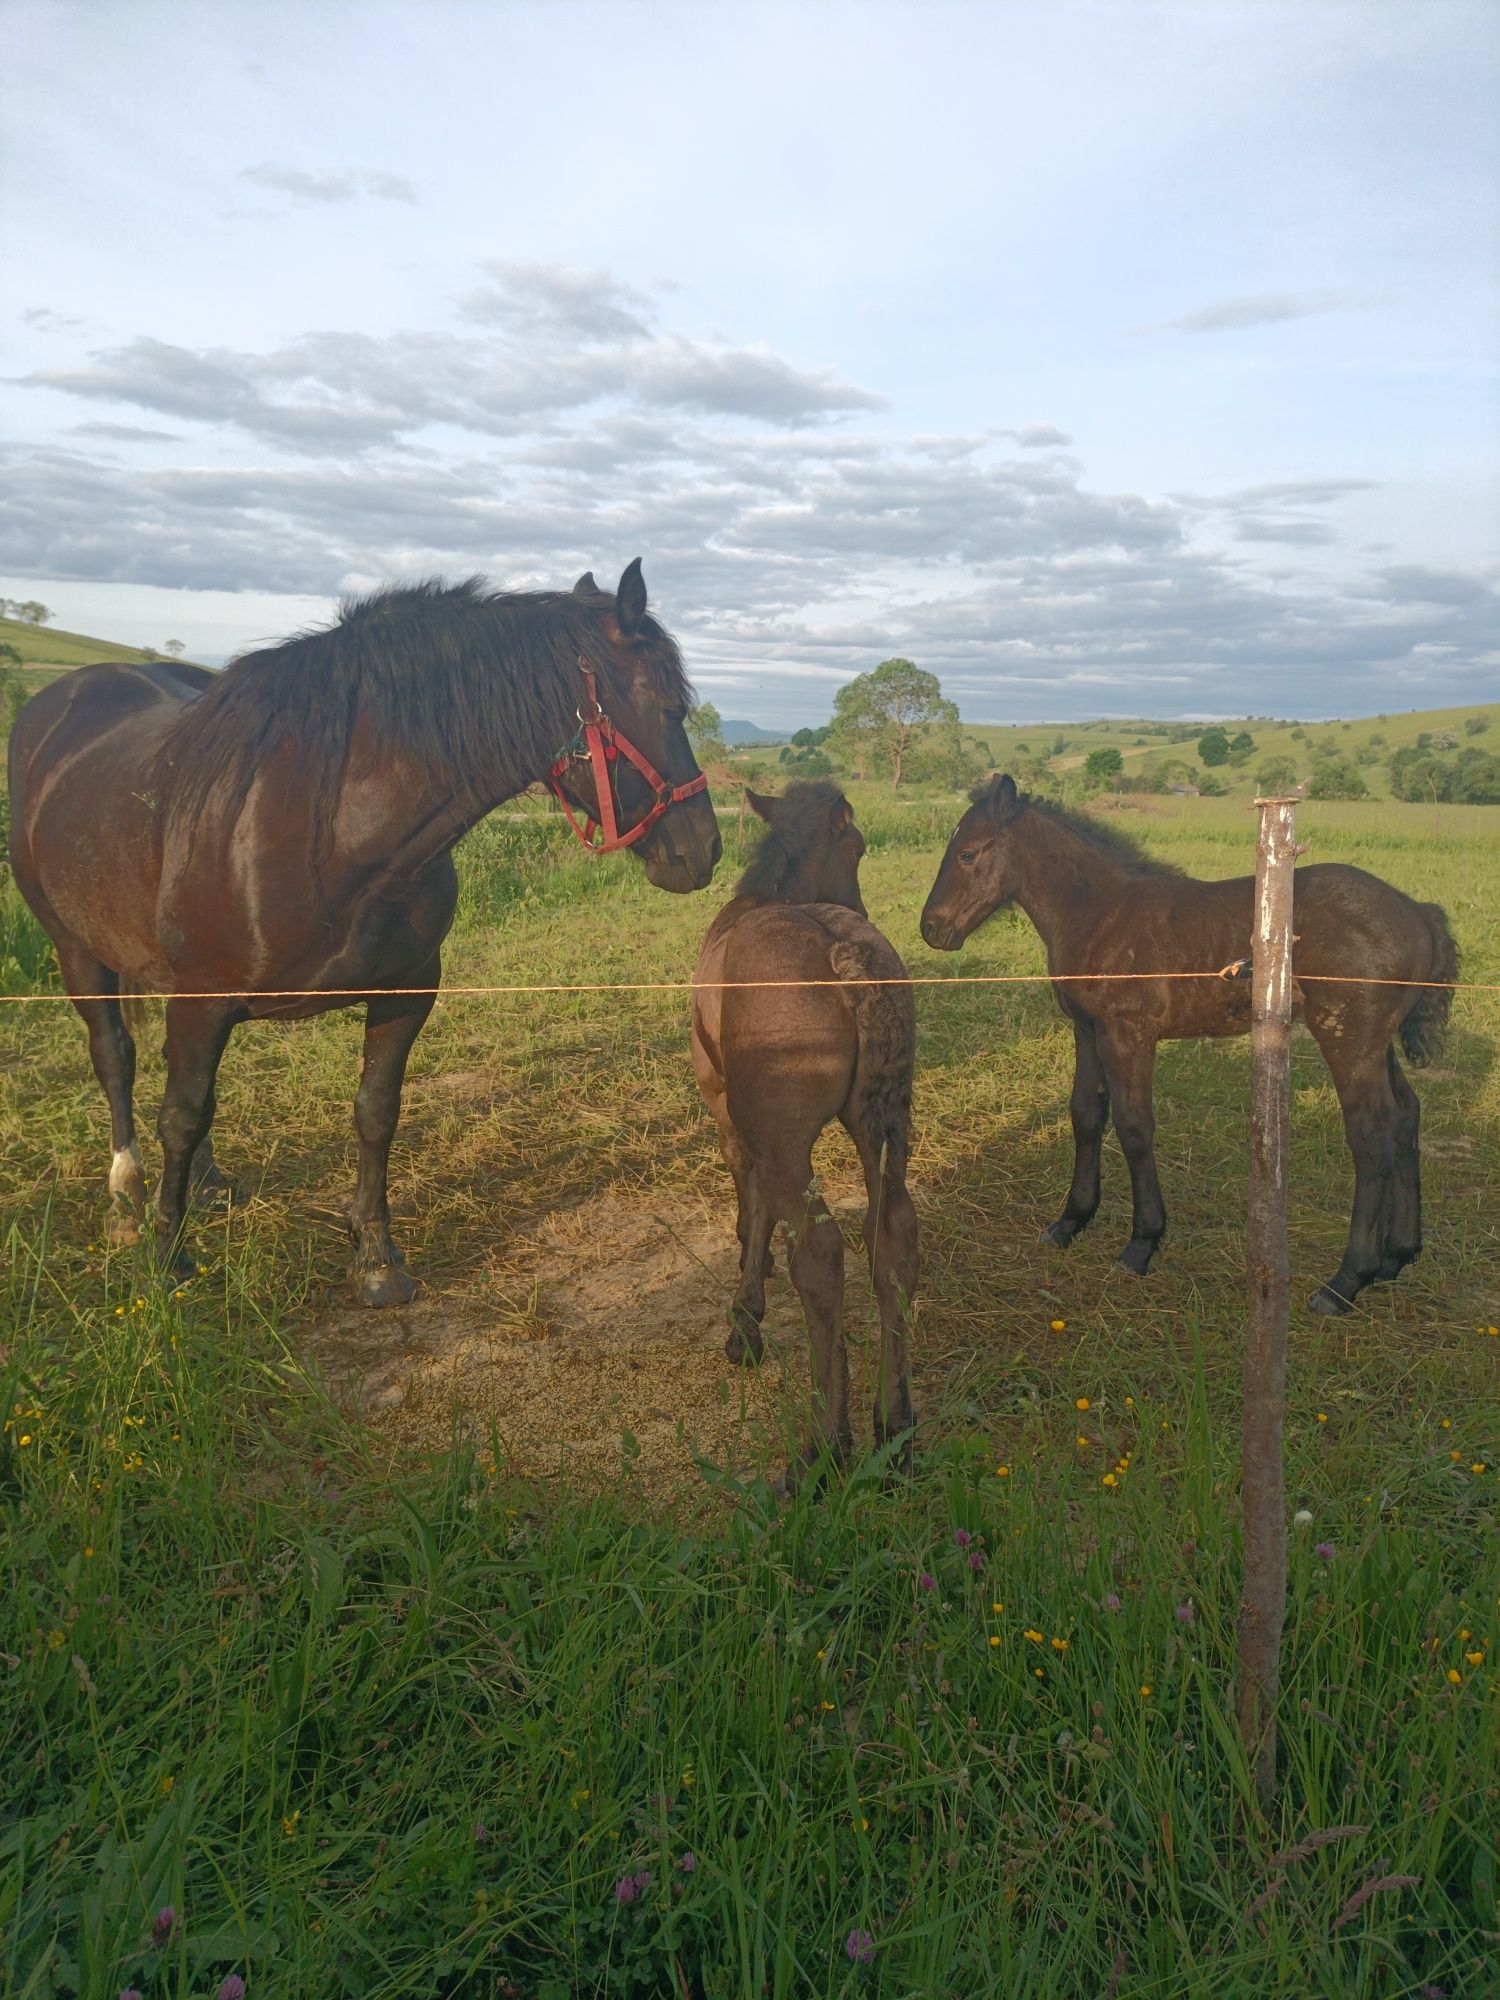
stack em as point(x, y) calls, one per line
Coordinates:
point(266, 842)
point(1102, 905)
point(775, 1064)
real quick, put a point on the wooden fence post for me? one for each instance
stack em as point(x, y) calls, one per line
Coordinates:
point(1263, 1604)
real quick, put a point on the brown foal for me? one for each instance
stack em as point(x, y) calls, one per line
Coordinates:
point(776, 1064)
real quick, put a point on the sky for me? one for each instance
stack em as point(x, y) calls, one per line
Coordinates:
point(1124, 359)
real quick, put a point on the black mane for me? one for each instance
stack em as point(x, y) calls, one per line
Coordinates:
point(805, 816)
point(1111, 841)
point(480, 685)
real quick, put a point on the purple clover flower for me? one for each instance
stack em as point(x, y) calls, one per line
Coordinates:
point(481, 1833)
point(687, 1862)
point(976, 1561)
point(926, 1582)
point(625, 1889)
point(162, 1925)
point(131, 1993)
point(1325, 1551)
point(962, 1537)
point(231, 1987)
point(860, 1947)
point(1184, 1613)
point(1112, 1602)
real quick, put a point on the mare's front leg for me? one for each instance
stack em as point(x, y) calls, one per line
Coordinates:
point(392, 1024)
point(196, 1033)
point(112, 1051)
point(1129, 1065)
point(1090, 1111)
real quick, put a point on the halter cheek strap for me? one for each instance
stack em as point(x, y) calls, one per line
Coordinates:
point(599, 744)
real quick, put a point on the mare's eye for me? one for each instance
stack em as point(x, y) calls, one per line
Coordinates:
point(675, 715)
point(967, 857)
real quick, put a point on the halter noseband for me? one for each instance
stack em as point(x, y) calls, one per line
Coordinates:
point(598, 743)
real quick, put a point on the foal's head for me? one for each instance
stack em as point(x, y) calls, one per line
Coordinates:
point(811, 851)
point(978, 871)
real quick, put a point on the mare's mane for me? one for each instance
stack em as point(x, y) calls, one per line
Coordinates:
point(806, 813)
point(479, 685)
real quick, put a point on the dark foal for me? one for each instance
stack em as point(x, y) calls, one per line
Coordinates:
point(290, 824)
point(777, 1064)
point(1102, 906)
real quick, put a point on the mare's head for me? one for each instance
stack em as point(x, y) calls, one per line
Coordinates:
point(644, 691)
point(811, 851)
point(978, 870)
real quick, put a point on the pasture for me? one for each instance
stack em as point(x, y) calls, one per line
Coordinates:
point(463, 1650)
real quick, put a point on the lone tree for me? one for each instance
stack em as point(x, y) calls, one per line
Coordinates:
point(1213, 746)
point(175, 647)
point(881, 718)
point(1103, 764)
point(705, 730)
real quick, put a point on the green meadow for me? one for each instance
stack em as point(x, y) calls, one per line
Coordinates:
point(514, 1681)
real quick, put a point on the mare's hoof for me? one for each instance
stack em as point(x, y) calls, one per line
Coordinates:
point(1136, 1258)
point(216, 1189)
point(901, 1458)
point(386, 1285)
point(1395, 1262)
point(1326, 1299)
point(744, 1344)
point(122, 1232)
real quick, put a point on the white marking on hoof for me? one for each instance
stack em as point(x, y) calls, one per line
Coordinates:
point(125, 1175)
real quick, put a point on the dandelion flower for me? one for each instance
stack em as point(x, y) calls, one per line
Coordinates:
point(1302, 1518)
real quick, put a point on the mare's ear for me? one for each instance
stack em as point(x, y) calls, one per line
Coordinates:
point(999, 799)
point(630, 601)
point(843, 816)
point(763, 804)
point(585, 584)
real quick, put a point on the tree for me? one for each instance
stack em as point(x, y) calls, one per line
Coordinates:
point(1336, 777)
point(880, 718)
point(175, 647)
point(706, 733)
point(1103, 764)
point(1243, 741)
point(1213, 746)
point(26, 609)
point(1275, 776)
point(1476, 725)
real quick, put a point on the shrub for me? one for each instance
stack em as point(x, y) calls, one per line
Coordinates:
point(1337, 777)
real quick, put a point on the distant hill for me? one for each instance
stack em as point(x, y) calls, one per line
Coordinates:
point(738, 734)
point(46, 652)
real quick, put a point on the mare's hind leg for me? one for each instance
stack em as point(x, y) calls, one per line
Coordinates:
point(1369, 1106)
point(1128, 1068)
point(113, 1054)
point(1090, 1112)
point(1402, 1242)
point(196, 1033)
point(207, 1179)
point(392, 1024)
point(890, 1232)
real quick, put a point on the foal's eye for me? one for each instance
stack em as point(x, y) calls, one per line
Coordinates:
point(967, 857)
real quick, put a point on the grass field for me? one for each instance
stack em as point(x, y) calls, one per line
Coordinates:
point(463, 1651)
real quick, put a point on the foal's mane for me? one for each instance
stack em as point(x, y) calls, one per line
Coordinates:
point(1110, 842)
point(805, 814)
point(479, 685)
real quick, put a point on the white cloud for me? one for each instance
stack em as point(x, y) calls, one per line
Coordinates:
point(281, 178)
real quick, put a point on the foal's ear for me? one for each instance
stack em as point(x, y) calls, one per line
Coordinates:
point(763, 804)
point(999, 798)
point(630, 601)
point(585, 585)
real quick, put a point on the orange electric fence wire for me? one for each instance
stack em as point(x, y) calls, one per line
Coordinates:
point(734, 986)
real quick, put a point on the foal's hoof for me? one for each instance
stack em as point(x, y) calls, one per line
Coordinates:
point(386, 1285)
point(122, 1232)
point(1395, 1262)
point(1063, 1230)
point(1328, 1299)
point(744, 1343)
point(1136, 1258)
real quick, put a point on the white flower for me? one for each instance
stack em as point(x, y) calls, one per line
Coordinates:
point(1302, 1518)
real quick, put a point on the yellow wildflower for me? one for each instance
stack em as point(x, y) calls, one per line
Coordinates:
point(1080, 1402)
point(1145, 1690)
point(166, 1786)
point(1002, 1472)
point(1322, 1416)
point(1059, 1325)
point(1109, 1479)
point(1477, 1466)
point(56, 1638)
point(1454, 1676)
point(1475, 1659)
point(994, 1640)
point(1059, 1645)
point(1036, 1638)
point(289, 1823)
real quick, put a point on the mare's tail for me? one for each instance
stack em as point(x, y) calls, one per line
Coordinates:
point(1424, 1027)
point(885, 1017)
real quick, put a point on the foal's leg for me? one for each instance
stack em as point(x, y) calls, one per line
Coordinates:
point(392, 1024)
point(1364, 1086)
point(890, 1232)
point(817, 1270)
point(1128, 1069)
point(196, 1033)
point(1403, 1225)
point(753, 1225)
point(1090, 1109)
point(113, 1054)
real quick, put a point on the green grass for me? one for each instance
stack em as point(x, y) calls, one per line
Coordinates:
point(46, 652)
point(277, 1669)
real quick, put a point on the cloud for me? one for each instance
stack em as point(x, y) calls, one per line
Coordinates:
point(1034, 436)
point(1303, 534)
point(125, 434)
point(549, 340)
point(1257, 309)
point(280, 178)
point(45, 320)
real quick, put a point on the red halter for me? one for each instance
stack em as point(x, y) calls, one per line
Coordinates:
point(598, 743)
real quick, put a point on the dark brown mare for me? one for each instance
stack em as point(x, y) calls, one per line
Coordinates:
point(289, 825)
point(776, 1064)
point(1102, 905)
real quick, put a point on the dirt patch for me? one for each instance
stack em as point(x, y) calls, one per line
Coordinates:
point(600, 1340)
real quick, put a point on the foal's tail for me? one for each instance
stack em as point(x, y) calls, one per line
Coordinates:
point(1423, 1029)
point(885, 1018)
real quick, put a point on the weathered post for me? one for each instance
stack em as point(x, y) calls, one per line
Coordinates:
point(1263, 1605)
